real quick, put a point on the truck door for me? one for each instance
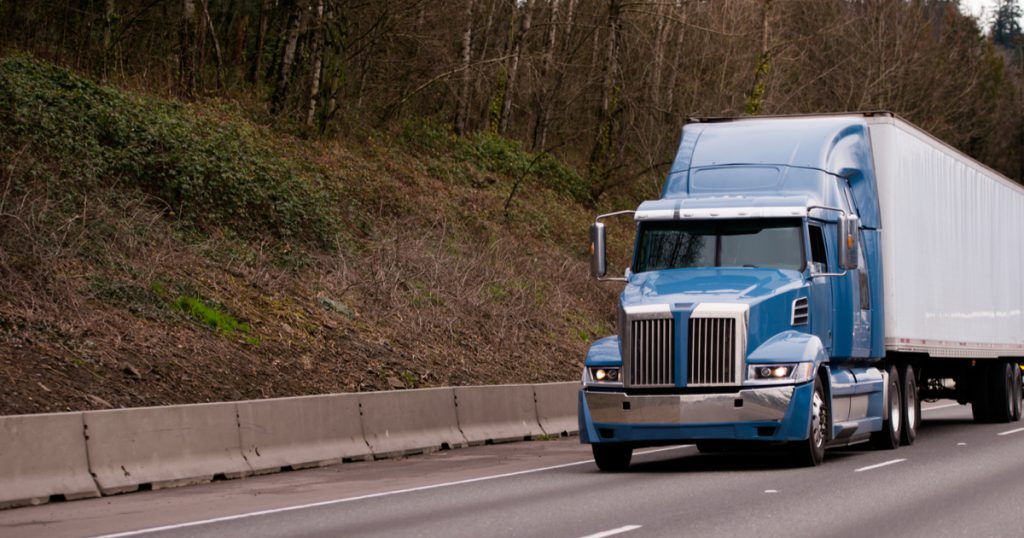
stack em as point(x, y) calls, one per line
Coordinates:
point(862, 314)
point(820, 291)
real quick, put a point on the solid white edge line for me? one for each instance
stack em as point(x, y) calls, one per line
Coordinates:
point(1011, 431)
point(613, 532)
point(939, 407)
point(877, 465)
point(361, 497)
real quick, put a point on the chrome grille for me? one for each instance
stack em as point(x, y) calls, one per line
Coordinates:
point(800, 312)
point(652, 348)
point(712, 354)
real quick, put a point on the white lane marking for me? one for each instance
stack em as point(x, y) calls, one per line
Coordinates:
point(961, 444)
point(362, 497)
point(877, 465)
point(940, 407)
point(771, 491)
point(613, 532)
point(1011, 431)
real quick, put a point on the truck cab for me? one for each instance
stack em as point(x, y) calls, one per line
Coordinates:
point(752, 308)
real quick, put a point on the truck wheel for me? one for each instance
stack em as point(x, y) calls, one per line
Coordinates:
point(1001, 381)
point(810, 452)
point(979, 393)
point(612, 458)
point(911, 405)
point(1018, 391)
point(889, 437)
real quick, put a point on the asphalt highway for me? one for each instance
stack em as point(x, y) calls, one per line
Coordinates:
point(958, 479)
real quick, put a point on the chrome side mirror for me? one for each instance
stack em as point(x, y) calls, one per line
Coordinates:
point(848, 240)
point(598, 261)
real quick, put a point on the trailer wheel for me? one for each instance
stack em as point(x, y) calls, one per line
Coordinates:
point(1018, 391)
point(612, 458)
point(889, 437)
point(980, 393)
point(810, 452)
point(911, 406)
point(1002, 389)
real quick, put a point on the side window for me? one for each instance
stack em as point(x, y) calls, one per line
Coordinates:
point(819, 261)
point(865, 286)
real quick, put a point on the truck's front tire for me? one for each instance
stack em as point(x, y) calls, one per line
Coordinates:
point(810, 452)
point(889, 437)
point(612, 458)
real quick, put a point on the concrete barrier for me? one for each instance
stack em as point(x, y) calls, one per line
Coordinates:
point(308, 431)
point(556, 407)
point(164, 446)
point(410, 421)
point(497, 413)
point(42, 456)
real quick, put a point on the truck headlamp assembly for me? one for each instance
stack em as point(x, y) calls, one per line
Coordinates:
point(766, 374)
point(604, 374)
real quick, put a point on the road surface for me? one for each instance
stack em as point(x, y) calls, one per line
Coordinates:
point(959, 479)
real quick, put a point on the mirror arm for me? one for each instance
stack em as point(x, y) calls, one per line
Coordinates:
point(614, 214)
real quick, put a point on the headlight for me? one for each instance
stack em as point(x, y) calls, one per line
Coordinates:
point(764, 374)
point(604, 374)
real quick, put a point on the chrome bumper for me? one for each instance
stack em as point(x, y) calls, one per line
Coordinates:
point(761, 404)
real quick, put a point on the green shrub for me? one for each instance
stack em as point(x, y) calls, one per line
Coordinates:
point(206, 171)
point(213, 317)
point(494, 153)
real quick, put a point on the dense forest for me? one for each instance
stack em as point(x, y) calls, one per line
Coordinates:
point(603, 84)
point(207, 200)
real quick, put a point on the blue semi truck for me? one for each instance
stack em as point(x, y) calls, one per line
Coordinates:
point(806, 282)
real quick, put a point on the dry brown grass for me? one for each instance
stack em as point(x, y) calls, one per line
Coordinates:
point(430, 285)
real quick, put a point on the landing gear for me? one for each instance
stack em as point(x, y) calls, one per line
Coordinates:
point(889, 437)
point(810, 452)
point(612, 458)
point(911, 405)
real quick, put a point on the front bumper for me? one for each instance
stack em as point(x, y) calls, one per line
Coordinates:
point(767, 414)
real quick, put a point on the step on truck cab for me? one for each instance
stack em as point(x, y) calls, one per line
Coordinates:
point(806, 282)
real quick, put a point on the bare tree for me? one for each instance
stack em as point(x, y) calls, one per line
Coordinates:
point(187, 51)
point(462, 101)
point(512, 73)
point(295, 19)
point(318, 62)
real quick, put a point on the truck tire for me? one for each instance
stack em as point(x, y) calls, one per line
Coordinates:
point(1001, 381)
point(810, 452)
point(889, 436)
point(911, 406)
point(1018, 391)
point(979, 393)
point(612, 458)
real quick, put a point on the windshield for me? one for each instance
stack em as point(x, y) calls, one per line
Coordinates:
point(774, 243)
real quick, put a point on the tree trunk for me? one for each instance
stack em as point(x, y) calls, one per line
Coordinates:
point(660, 38)
point(108, 27)
point(318, 62)
point(462, 106)
point(513, 65)
point(670, 92)
point(256, 75)
point(187, 48)
point(600, 156)
point(216, 45)
point(756, 97)
point(288, 57)
point(543, 110)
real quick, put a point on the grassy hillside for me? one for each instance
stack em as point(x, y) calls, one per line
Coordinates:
point(153, 252)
